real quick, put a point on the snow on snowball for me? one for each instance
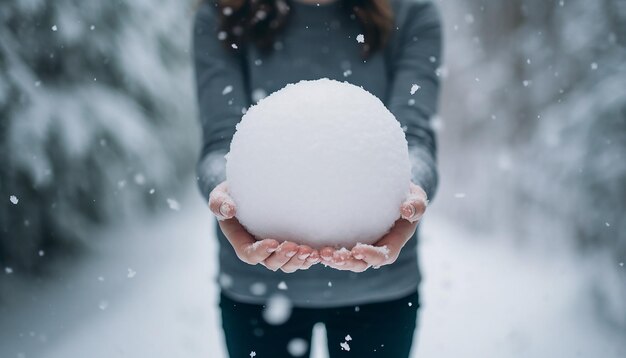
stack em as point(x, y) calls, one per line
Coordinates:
point(319, 163)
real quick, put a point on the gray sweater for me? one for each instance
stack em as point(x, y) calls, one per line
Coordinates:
point(320, 41)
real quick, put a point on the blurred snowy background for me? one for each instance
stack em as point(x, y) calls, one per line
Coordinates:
point(106, 248)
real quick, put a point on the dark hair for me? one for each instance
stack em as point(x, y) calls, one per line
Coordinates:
point(258, 21)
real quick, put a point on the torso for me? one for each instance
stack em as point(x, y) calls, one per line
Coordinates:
point(319, 41)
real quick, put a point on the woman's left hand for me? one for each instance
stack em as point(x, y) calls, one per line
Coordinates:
point(386, 250)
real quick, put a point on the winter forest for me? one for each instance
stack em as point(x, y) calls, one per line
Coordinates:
point(106, 247)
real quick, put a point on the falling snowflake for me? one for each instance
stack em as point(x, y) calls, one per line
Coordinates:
point(54, 27)
point(228, 89)
point(258, 94)
point(131, 273)
point(347, 73)
point(345, 346)
point(92, 27)
point(13, 199)
point(173, 204)
point(414, 88)
point(360, 38)
point(330, 284)
point(348, 338)
point(297, 347)
point(282, 285)
point(140, 179)
point(258, 288)
point(8, 270)
point(594, 66)
point(459, 195)
point(252, 354)
point(103, 305)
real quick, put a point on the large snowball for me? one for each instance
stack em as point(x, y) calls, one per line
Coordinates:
point(319, 163)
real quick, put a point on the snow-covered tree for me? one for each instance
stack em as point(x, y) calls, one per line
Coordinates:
point(535, 101)
point(96, 117)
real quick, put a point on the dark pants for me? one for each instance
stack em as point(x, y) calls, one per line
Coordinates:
point(376, 330)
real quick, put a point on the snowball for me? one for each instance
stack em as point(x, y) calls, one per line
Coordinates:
point(319, 163)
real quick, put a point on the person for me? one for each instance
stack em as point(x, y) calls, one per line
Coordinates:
point(246, 49)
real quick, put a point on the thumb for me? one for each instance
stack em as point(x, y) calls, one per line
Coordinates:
point(413, 208)
point(220, 202)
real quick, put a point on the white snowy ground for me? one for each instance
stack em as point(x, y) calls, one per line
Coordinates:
point(481, 299)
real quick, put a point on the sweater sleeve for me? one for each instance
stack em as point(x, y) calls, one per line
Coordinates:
point(414, 89)
point(221, 95)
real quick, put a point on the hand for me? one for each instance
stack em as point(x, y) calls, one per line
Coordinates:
point(386, 250)
point(286, 256)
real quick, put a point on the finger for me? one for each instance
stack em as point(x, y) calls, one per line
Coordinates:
point(313, 259)
point(354, 265)
point(413, 208)
point(259, 251)
point(341, 256)
point(387, 249)
point(326, 254)
point(373, 255)
point(350, 264)
point(284, 252)
point(297, 260)
point(220, 202)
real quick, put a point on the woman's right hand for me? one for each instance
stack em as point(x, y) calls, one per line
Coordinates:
point(286, 256)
